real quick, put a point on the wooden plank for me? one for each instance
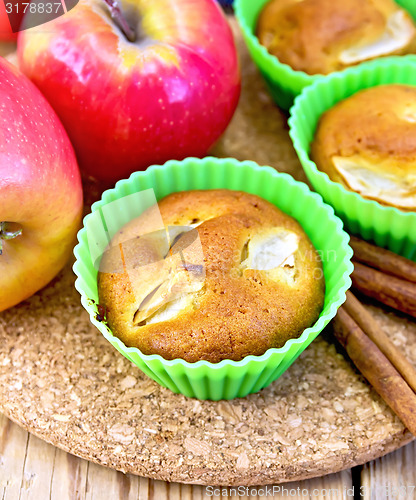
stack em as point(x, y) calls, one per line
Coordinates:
point(144, 488)
point(392, 476)
point(13, 446)
point(38, 470)
point(334, 486)
point(107, 483)
point(190, 492)
point(69, 477)
point(160, 490)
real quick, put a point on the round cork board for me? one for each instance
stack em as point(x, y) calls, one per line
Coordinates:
point(61, 380)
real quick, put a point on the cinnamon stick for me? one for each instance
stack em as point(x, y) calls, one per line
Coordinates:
point(377, 369)
point(374, 331)
point(391, 291)
point(383, 259)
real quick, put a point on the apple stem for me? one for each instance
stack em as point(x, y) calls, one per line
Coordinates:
point(6, 234)
point(118, 16)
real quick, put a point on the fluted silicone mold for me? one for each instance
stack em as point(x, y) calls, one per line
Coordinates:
point(283, 82)
point(227, 379)
point(386, 226)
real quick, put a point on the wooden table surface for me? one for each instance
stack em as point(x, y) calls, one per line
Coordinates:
point(35, 470)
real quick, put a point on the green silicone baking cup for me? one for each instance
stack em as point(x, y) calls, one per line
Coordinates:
point(227, 379)
point(387, 226)
point(283, 82)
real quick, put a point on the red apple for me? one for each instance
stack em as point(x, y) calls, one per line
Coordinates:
point(40, 189)
point(127, 105)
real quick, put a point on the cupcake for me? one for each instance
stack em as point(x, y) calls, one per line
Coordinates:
point(281, 203)
point(367, 142)
point(392, 31)
point(370, 185)
point(322, 36)
point(228, 276)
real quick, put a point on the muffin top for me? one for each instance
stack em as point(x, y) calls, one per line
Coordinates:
point(228, 275)
point(367, 142)
point(321, 36)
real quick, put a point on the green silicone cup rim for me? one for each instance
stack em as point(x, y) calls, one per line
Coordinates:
point(236, 378)
point(283, 81)
point(366, 217)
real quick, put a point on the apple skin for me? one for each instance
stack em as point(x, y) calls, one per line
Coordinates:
point(40, 188)
point(126, 106)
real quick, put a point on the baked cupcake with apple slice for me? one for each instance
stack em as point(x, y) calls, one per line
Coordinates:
point(322, 36)
point(233, 291)
point(229, 275)
point(354, 132)
point(294, 42)
point(367, 142)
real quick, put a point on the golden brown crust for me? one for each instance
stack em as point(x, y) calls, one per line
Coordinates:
point(321, 36)
point(375, 129)
point(238, 310)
